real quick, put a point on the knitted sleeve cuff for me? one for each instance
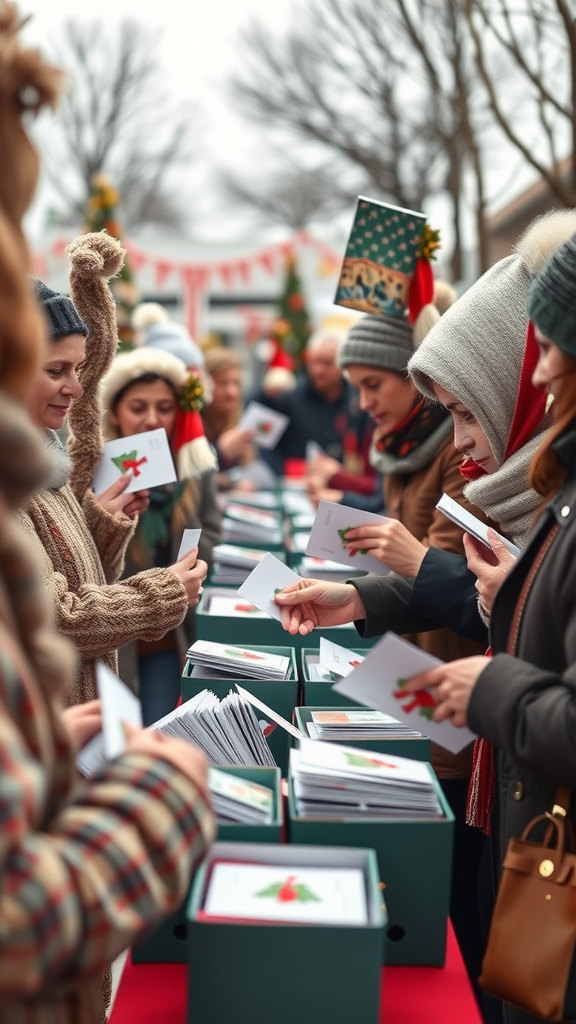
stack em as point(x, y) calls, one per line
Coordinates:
point(111, 535)
point(160, 603)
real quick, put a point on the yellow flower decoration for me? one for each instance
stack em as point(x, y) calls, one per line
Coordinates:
point(192, 394)
point(429, 243)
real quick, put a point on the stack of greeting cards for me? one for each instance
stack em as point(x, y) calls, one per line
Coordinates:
point(325, 569)
point(236, 799)
point(356, 725)
point(233, 564)
point(226, 730)
point(246, 525)
point(345, 782)
point(238, 661)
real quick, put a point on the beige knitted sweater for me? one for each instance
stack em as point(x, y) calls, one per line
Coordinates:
point(83, 546)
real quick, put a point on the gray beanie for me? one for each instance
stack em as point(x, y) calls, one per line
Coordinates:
point(175, 339)
point(381, 341)
point(61, 314)
point(552, 299)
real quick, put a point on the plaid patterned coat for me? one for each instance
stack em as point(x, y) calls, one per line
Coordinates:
point(83, 867)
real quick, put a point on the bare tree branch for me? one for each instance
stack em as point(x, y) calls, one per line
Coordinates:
point(115, 118)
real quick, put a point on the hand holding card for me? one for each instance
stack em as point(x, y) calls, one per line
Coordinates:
point(147, 456)
point(265, 581)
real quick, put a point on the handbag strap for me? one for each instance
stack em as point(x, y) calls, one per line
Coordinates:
point(563, 794)
point(526, 587)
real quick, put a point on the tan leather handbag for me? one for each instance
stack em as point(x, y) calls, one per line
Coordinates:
point(532, 937)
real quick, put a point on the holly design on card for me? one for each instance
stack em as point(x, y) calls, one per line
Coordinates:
point(342, 535)
point(361, 761)
point(129, 460)
point(289, 891)
point(422, 701)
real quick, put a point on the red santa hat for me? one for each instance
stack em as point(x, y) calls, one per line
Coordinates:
point(279, 376)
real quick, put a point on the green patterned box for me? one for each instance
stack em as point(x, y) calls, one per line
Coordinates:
point(167, 945)
point(279, 694)
point(285, 974)
point(418, 748)
point(415, 865)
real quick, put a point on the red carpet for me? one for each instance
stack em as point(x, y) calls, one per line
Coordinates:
point(150, 993)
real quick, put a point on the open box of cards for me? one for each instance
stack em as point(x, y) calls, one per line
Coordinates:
point(280, 694)
point(317, 681)
point(360, 727)
point(223, 614)
point(168, 944)
point(406, 820)
point(299, 930)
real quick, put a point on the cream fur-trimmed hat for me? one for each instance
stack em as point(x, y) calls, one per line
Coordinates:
point(194, 455)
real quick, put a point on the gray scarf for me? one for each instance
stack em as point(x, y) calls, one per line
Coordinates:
point(60, 462)
point(505, 496)
point(389, 464)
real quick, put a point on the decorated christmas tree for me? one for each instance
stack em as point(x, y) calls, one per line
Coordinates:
point(292, 330)
point(102, 215)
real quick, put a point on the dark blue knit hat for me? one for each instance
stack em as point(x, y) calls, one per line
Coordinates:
point(61, 313)
point(552, 298)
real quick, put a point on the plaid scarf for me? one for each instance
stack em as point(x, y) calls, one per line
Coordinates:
point(422, 420)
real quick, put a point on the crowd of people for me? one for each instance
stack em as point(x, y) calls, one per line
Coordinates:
point(482, 408)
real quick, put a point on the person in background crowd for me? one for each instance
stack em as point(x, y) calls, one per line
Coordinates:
point(83, 537)
point(323, 407)
point(142, 391)
point(523, 699)
point(83, 868)
point(220, 415)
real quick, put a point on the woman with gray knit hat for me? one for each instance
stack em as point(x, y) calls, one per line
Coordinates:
point(522, 700)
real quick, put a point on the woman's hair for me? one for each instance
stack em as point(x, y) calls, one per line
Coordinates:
point(220, 360)
point(547, 472)
point(146, 378)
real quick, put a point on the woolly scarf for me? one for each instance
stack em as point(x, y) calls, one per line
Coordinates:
point(413, 442)
point(505, 496)
point(60, 462)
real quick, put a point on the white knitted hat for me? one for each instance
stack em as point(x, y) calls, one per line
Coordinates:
point(194, 454)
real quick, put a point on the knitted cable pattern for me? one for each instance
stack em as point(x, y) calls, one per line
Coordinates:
point(94, 259)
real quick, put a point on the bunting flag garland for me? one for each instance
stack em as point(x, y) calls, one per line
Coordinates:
point(195, 278)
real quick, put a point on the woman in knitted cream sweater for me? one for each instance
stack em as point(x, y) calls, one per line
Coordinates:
point(83, 537)
point(143, 391)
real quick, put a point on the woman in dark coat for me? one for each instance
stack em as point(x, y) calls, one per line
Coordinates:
point(523, 700)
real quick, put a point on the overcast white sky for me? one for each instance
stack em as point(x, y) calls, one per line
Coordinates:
point(198, 49)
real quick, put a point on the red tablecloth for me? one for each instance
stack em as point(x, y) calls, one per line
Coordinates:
point(149, 993)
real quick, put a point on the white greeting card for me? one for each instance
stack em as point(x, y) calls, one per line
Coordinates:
point(466, 521)
point(379, 683)
point(272, 715)
point(327, 537)
point(262, 892)
point(146, 455)
point(313, 450)
point(120, 707)
point(267, 424)
point(234, 788)
point(337, 659)
point(190, 539)
point(269, 576)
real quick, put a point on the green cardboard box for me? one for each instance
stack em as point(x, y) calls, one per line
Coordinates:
point(279, 694)
point(242, 630)
point(258, 973)
point(415, 865)
point(319, 692)
point(418, 748)
point(167, 944)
